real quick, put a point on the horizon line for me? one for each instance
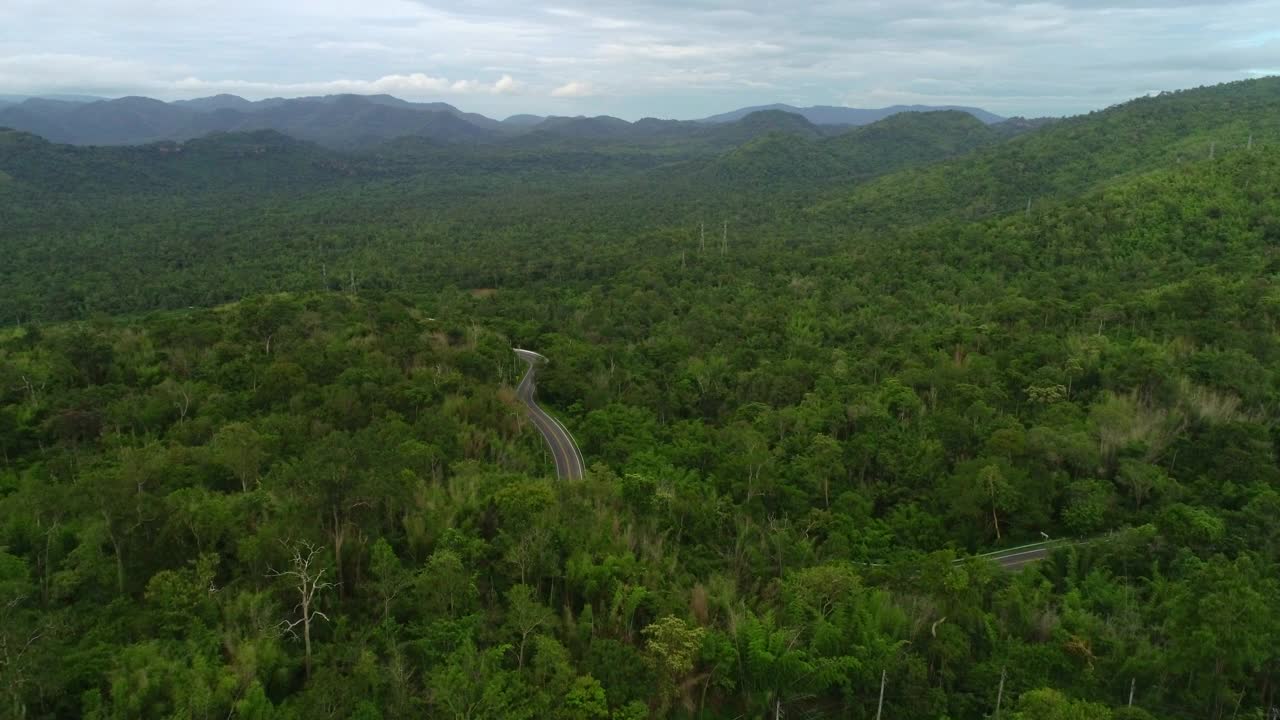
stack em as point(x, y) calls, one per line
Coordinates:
point(88, 98)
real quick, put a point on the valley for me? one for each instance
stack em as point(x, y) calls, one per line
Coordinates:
point(813, 392)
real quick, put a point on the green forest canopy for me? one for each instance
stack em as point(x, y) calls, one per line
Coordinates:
point(805, 404)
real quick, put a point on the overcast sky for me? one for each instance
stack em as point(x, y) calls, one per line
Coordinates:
point(635, 58)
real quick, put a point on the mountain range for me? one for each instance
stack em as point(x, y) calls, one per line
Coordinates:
point(352, 121)
point(833, 115)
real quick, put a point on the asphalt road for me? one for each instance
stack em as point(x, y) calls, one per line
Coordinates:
point(1016, 562)
point(563, 447)
point(1018, 558)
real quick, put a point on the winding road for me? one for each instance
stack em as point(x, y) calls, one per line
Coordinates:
point(564, 449)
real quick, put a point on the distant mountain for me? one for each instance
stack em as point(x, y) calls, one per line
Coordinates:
point(336, 121)
point(831, 115)
point(353, 121)
point(778, 160)
point(1018, 125)
point(523, 120)
point(356, 121)
point(694, 137)
point(914, 138)
point(763, 122)
point(126, 121)
point(217, 102)
point(258, 162)
point(15, 99)
point(602, 126)
point(105, 122)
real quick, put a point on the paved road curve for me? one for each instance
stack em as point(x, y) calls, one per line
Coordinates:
point(563, 448)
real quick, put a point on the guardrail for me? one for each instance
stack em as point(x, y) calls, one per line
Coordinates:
point(1043, 544)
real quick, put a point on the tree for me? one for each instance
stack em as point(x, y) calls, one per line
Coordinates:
point(772, 666)
point(983, 489)
point(391, 578)
point(306, 578)
point(586, 700)
point(122, 495)
point(446, 585)
point(996, 488)
point(20, 634)
point(1048, 704)
point(184, 597)
point(1221, 623)
point(673, 644)
point(240, 449)
point(1141, 480)
point(1088, 506)
point(824, 463)
point(471, 685)
point(525, 615)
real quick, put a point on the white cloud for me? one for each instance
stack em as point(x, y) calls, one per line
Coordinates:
point(506, 84)
point(412, 86)
point(573, 89)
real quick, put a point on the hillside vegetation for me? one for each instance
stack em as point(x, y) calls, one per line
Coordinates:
point(314, 493)
point(1067, 158)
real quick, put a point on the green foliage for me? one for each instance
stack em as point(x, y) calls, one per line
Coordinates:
point(1053, 705)
point(794, 442)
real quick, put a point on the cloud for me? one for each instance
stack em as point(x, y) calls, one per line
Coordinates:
point(672, 58)
point(413, 86)
point(573, 89)
point(505, 84)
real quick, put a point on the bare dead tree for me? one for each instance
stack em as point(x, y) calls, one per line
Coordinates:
point(14, 647)
point(307, 579)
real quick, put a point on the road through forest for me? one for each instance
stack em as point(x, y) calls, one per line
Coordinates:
point(569, 465)
point(564, 449)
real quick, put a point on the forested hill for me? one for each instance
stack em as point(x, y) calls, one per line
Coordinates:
point(800, 434)
point(1069, 157)
point(784, 160)
point(259, 162)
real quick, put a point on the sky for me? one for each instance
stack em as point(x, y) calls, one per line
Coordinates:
point(638, 58)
